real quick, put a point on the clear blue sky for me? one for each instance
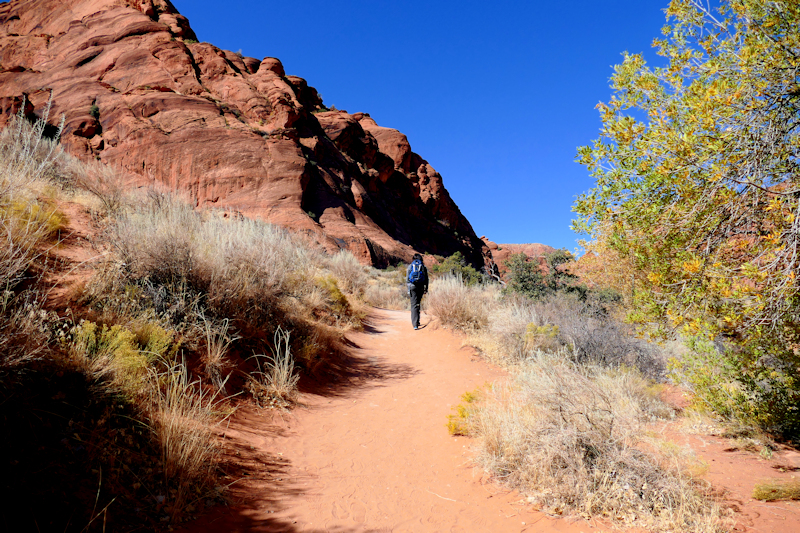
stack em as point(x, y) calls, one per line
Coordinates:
point(496, 96)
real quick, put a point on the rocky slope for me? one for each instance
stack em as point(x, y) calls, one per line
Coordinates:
point(501, 253)
point(139, 92)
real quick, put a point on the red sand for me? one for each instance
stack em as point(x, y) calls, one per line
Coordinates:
point(376, 457)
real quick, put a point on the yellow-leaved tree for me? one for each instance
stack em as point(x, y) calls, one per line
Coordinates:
point(698, 188)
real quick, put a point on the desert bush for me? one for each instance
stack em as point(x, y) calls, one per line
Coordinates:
point(118, 355)
point(571, 437)
point(26, 154)
point(185, 264)
point(386, 288)
point(757, 388)
point(597, 336)
point(457, 305)
point(351, 274)
point(518, 327)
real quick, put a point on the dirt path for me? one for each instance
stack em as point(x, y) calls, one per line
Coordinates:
point(376, 457)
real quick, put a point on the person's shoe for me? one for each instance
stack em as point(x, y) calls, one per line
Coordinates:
point(416, 327)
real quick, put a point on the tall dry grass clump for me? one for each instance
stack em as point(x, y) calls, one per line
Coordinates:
point(275, 379)
point(571, 436)
point(184, 416)
point(459, 306)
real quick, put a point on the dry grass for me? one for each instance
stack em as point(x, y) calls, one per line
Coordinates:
point(218, 342)
point(351, 274)
point(28, 227)
point(274, 383)
point(459, 306)
point(183, 417)
point(777, 489)
point(386, 289)
point(571, 436)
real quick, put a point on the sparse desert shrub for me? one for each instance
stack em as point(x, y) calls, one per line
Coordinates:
point(596, 336)
point(335, 302)
point(218, 341)
point(26, 154)
point(504, 338)
point(459, 422)
point(349, 272)
point(457, 305)
point(387, 288)
point(521, 326)
point(110, 354)
point(570, 436)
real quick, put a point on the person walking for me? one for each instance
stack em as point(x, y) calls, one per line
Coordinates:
point(417, 280)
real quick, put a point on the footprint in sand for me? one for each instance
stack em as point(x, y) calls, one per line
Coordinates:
point(359, 512)
point(339, 512)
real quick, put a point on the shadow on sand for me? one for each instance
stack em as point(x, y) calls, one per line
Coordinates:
point(251, 470)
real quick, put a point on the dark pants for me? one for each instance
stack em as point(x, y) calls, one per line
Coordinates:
point(416, 299)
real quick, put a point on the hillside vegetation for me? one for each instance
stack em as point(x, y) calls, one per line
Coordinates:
point(110, 406)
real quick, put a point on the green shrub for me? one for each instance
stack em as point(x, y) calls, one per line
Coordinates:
point(748, 385)
point(456, 265)
point(527, 277)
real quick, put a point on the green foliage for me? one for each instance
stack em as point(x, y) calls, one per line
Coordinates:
point(746, 384)
point(337, 301)
point(457, 266)
point(94, 111)
point(529, 278)
point(118, 350)
point(698, 178)
point(544, 337)
point(525, 277)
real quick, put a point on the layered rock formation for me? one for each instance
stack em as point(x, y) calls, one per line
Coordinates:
point(139, 92)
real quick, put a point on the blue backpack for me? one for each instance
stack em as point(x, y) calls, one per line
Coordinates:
point(416, 274)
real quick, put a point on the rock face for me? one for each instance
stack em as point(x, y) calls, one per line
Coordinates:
point(140, 93)
point(500, 253)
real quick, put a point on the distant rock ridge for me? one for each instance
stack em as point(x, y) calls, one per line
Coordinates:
point(502, 252)
point(140, 93)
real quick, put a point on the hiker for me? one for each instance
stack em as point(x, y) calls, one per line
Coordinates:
point(417, 279)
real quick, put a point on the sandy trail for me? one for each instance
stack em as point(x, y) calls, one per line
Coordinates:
point(374, 454)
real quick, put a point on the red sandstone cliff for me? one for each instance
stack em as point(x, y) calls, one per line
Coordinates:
point(500, 253)
point(138, 92)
